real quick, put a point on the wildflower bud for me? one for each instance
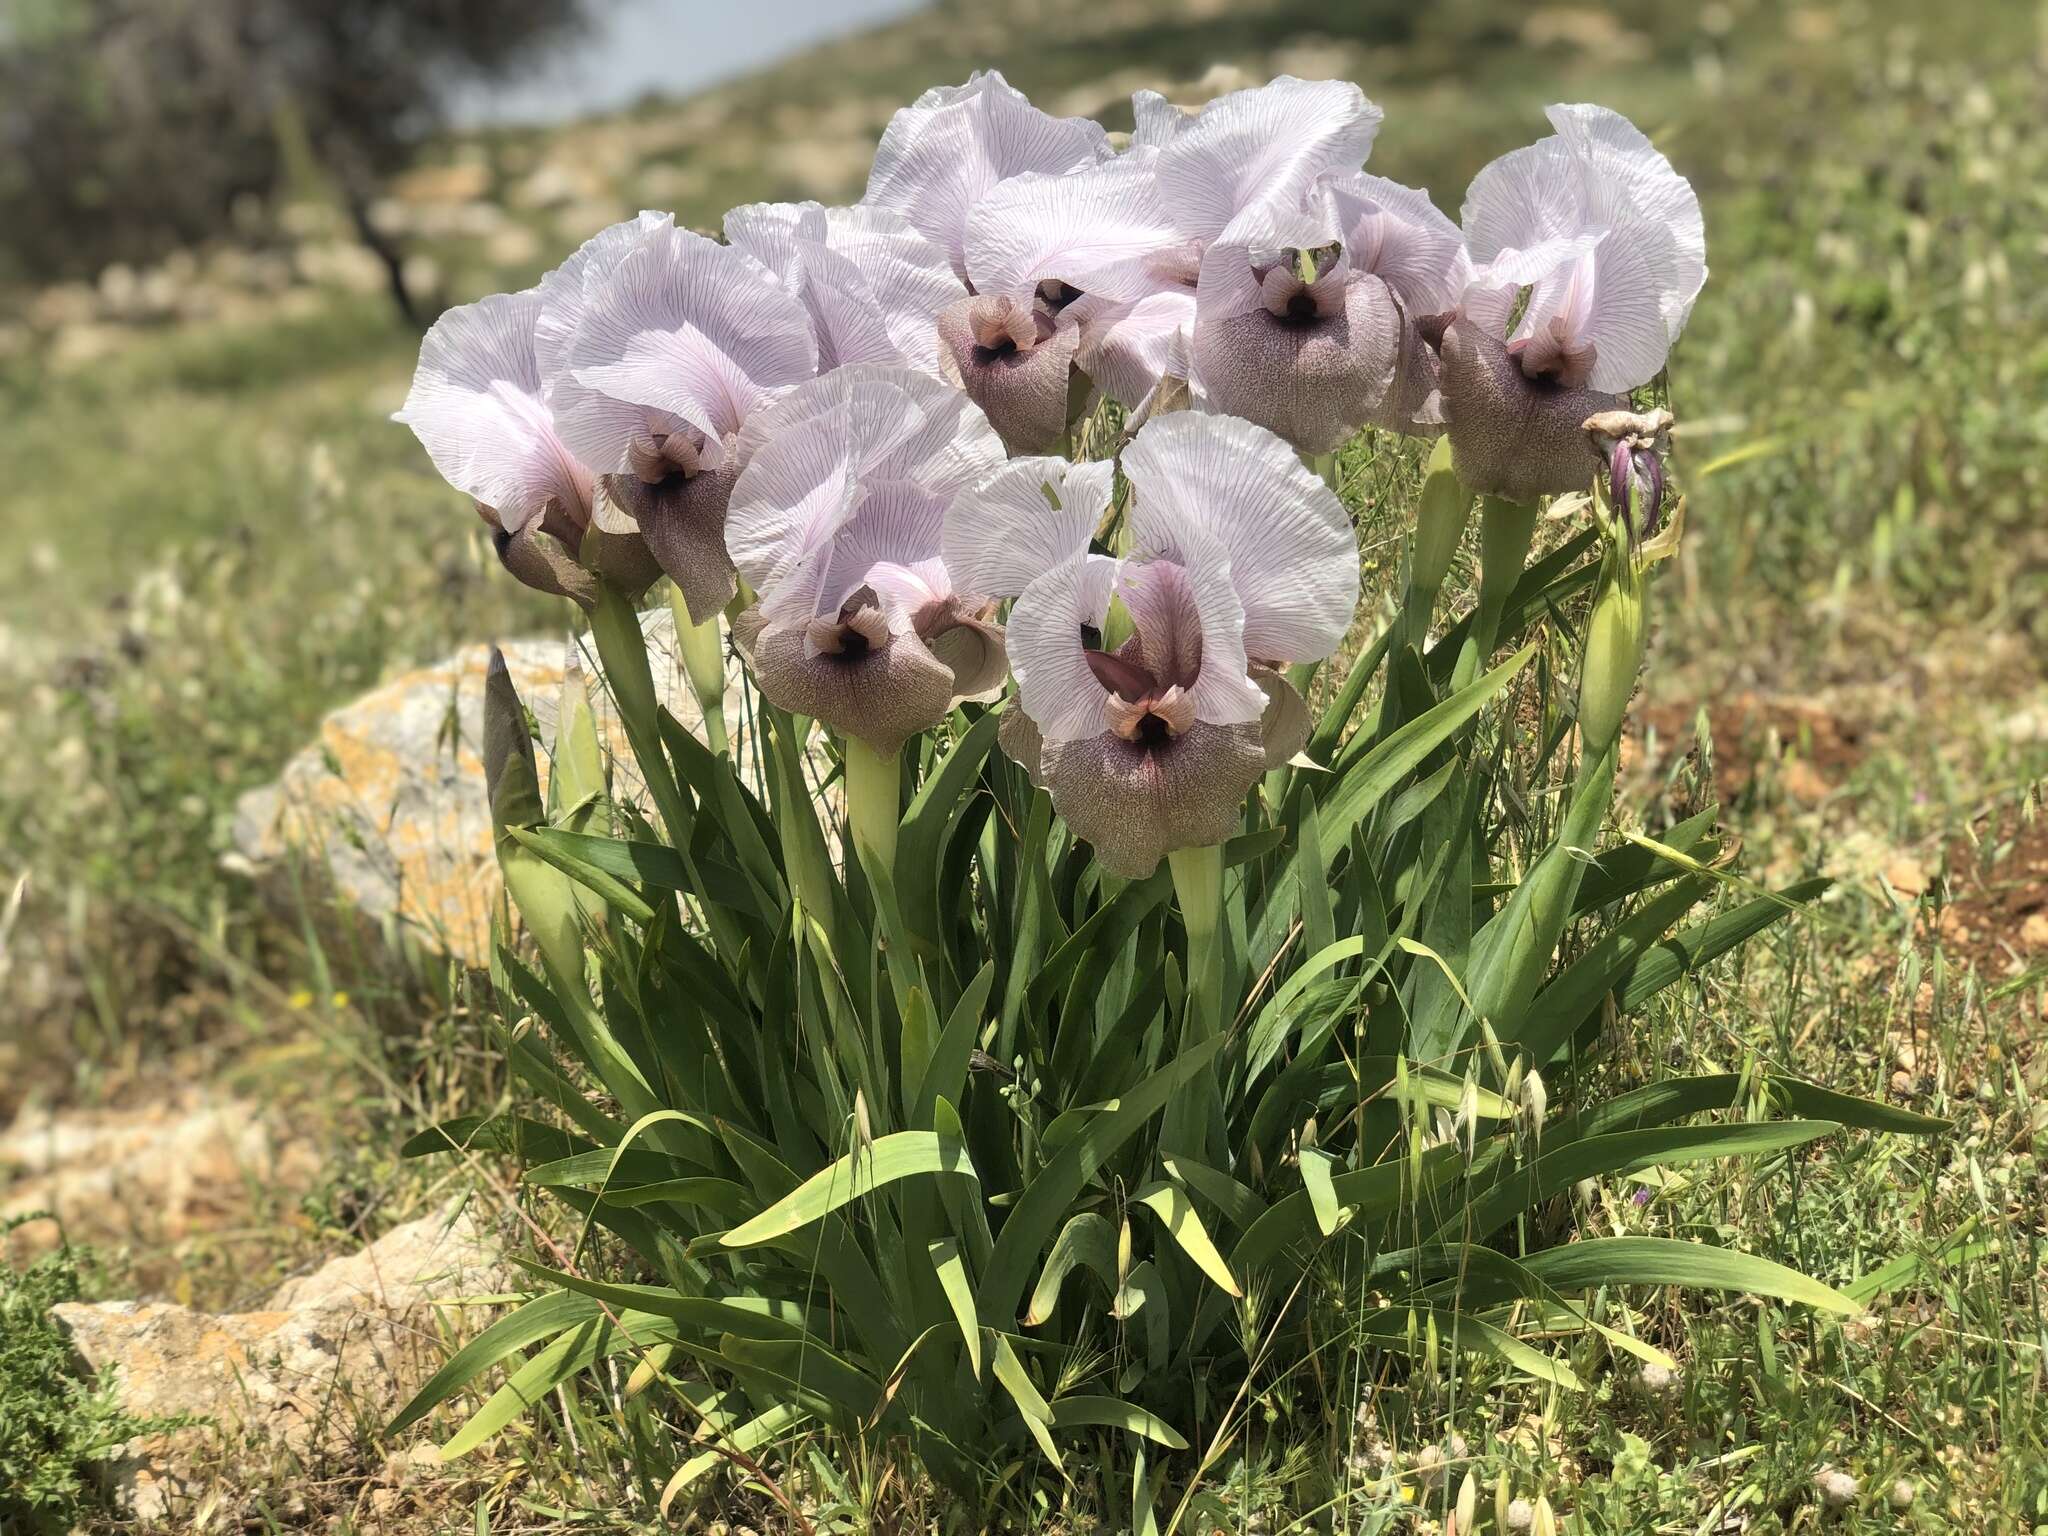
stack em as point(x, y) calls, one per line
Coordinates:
point(1632, 446)
point(1439, 526)
point(547, 899)
point(1615, 635)
point(509, 770)
point(576, 766)
point(1519, 1516)
point(1468, 1503)
point(1900, 1495)
point(1544, 1522)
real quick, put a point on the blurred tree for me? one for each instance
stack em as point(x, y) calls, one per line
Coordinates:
point(131, 127)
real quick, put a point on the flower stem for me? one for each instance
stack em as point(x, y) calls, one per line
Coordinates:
point(1505, 531)
point(1198, 885)
point(874, 804)
point(703, 654)
point(622, 650)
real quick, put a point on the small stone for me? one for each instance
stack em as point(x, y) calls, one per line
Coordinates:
point(1903, 1084)
point(1906, 875)
point(1900, 1495)
point(1837, 1490)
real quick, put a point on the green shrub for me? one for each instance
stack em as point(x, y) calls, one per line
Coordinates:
point(54, 1422)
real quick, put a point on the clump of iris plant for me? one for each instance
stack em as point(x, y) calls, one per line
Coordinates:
point(1296, 937)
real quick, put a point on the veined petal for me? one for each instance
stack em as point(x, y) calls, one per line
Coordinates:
point(1029, 516)
point(1098, 230)
point(564, 292)
point(1128, 349)
point(1266, 144)
point(1524, 197)
point(1134, 804)
point(475, 405)
point(1055, 685)
point(1597, 178)
point(1222, 692)
point(1397, 234)
point(1293, 558)
point(946, 151)
point(1156, 120)
point(899, 423)
point(891, 542)
point(1627, 177)
point(681, 329)
point(1610, 298)
point(873, 285)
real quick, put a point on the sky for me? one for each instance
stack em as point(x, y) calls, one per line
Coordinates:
point(670, 47)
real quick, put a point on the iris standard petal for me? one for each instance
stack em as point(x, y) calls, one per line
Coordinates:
point(1293, 558)
point(564, 292)
point(1048, 648)
point(682, 330)
point(1099, 230)
point(475, 405)
point(1029, 516)
point(1129, 350)
point(1265, 144)
point(947, 150)
point(871, 283)
point(1397, 234)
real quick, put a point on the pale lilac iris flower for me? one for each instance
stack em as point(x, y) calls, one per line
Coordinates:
point(1119, 250)
point(940, 158)
point(668, 344)
point(1601, 246)
point(478, 407)
point(1309, 318)
point(1241, 563)
point(836, 522)
point(870, 281)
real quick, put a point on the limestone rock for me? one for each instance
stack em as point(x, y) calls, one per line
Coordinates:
point(333, 1354)
point(389, 800)
point(149, 1175)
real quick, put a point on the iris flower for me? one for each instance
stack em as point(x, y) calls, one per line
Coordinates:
point(1149, 252)
point(477, 406)
point(1241, 563)
point(1307, 318)
point(836, 523)
point(663, 348)
point(1600, 244)
point(938, 159)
